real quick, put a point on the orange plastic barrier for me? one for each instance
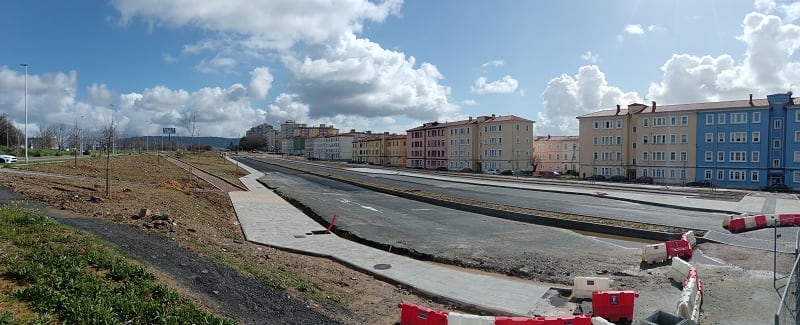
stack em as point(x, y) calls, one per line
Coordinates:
point(761, 221)
point(568, 320)
point(737, 225)
point(614, 305)
point(411, 314)
point(787, 220)
point(795, 218)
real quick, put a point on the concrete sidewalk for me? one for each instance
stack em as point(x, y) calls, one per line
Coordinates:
point(268, 219)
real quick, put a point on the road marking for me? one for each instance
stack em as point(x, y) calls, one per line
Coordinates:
point(421, 209)
point(369, 208)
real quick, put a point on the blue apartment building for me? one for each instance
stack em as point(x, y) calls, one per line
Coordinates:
point(750, 146)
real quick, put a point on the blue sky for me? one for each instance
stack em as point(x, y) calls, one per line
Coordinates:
point(381, 65)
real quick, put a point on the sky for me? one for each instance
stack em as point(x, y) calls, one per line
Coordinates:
point(221, 67)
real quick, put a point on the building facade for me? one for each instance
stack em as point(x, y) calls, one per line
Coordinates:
point(427, 146)
point(505, 143)
point(384, 150)
point(556, 153)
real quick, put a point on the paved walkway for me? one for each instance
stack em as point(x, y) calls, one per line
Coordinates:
point(268, 219)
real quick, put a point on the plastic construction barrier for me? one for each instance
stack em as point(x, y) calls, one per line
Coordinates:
point(560, 320)
point(411, 314)
point(689, 237)
point(582, 287)
point(792, 218)
point(614, 305)
point(737, 225)
point(679, 269)
point(679, 248)
point(467, 319)
point(655, 253)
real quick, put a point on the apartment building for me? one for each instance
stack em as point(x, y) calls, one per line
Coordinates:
point(556, 153)
point(384, 149)
point(747, 144)
point(427, 146)
point(269, 134)
point(285, 135)
point(462, 148)
point(505, 143)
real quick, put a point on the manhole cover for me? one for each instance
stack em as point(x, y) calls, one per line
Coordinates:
point(382, 266)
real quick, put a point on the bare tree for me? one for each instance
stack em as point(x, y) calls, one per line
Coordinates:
point(535, 161)
point(190, 121)
point(108, 137)
point(61, 135)
point(46, 137)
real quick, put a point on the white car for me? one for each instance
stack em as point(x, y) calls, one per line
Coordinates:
point(6, 159)
point(492, 172)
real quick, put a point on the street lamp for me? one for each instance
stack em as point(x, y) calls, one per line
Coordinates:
point(26, 110)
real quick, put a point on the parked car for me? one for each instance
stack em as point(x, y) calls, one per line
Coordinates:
point(549, 174)
point(618, 179)
point(507, 172)
point(643, 180)
point(492, 172)
point(777, 188)
point(466, 170)
point(595, 178)
point(441, 168)
point(699, 184)
point(7, 159)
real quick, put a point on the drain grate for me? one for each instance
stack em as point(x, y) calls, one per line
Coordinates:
point(382, 266)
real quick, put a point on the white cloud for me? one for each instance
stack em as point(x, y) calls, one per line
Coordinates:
point(469, 102)
point(168, 58)
point(493, 63)
point(357, 77)
point(507, 85)
point(569, 96)
point(634, 29)
point(589, 57)
point(275, 24)
point(215, 64)
point(767, 67)
point(260, 83)
point(788, 10)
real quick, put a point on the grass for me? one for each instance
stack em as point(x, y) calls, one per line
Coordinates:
point(215, 164)
point(60, 273)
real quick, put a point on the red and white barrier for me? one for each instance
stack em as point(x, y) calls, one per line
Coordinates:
point(744, 222)
point(614, 305)
point(412, 314)
point(467, 319)
point(679, 269)
point(654, 253)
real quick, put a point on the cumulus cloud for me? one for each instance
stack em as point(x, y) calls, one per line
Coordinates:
point(634, 29)
point(357, 77)
point(788, 10)
point(569, 96)
point(469, 102)
point(507, 85)
point(275, 24)
point(589, 57)
point(637, 30)
point(260, 83)
point(768, 66)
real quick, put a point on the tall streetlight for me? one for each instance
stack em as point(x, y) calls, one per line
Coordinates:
point(26, 110)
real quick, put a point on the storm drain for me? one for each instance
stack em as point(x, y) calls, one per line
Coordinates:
point(382, 266)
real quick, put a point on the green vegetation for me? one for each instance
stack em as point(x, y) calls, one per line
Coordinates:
point(58, 272)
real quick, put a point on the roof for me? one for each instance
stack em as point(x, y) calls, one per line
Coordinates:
point(479, 119)
point(636, 108)
point(556, 138)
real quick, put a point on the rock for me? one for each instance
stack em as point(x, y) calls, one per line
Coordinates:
point(144, 213)
point(95, 199)
point(191, 230)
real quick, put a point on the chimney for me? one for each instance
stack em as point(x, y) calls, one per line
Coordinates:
point(492, 115)
point(617, 110)
point(654, 107)
point(751, 100)
point(470, 118)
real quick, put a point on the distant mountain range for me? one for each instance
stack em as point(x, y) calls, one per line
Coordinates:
point(215, 142)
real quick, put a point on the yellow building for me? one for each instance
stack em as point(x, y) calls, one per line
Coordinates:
point(384, 149)
point(505, 143)
point(556, 153)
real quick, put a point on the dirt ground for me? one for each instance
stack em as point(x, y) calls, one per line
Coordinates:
point(739, 287)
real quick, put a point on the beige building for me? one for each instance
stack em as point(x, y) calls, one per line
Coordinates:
point(641, 140)
point(462, 148)
point(556, 153)
point(505, 143)
point(383, 149)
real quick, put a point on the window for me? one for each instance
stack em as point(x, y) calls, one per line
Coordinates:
point(776, 144)
point(797, 156)
point(659, 139)
point(684, 156)
point(633, 145)
point(797, 135)
point(673, 138)
point(684, 120)
point(658, 173)
point(756, 137)
point(754, 176)
point(683, 173)
point(645, 122)
point(721, 118)
point(709, 119)
point(720, 175)
point(756, 117)
point(738, 137)
point(755, 156)
point(619, 124)
point(684, 138)
point(673, 156)
point(720, 156)
point(659, 156)
point(619, 156)
point(659, 121)
point(709, 137)
point(736, 175)
point(634, 129)
point(594, 141)
point(776, 163)
point(797, 116)
point(644, 139)
point(721, 137)
point(777, 124)
point(738, 118)
point(738, 156)
point(673, 120)
point(709, 156)
point(708, 175)
point(644, 156)
point(644, 171)
point(607, 125)
point(619, 140)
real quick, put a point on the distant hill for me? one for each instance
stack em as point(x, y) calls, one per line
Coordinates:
point(181, 141)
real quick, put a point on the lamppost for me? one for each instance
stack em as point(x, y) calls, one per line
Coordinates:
point(26, 110)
